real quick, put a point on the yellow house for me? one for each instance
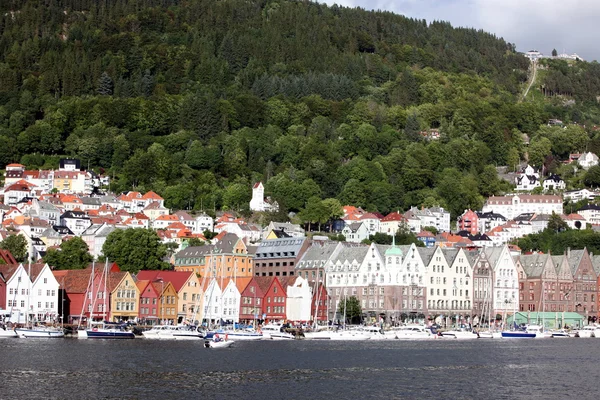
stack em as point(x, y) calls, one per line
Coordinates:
point(124, 297)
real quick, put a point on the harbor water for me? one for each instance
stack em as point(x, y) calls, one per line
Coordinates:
point(300, 369)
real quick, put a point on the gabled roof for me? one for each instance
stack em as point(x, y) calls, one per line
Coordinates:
point(242, 283)
point(8, 270)
point(151, 196)
point(177, 278)
point(574, 257)
point(426, 254)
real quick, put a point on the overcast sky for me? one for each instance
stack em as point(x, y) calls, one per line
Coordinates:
point(571, 26)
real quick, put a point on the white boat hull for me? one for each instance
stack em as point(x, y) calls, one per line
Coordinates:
point(325, 335)
point(218, 345)
point(45, 333)
point(8, 333)
point(240, 335)
point(459, 335)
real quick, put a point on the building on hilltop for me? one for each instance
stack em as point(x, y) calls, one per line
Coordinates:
point(259, 202)
point(512, 205)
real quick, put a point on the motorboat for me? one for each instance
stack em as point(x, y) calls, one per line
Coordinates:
point(173, 332)
point(244, 334)
point(410, 332)
point(375, 332)
point(105, 330)
point(587, 331)
point(45, 332)
point(319, 334)
point(459, 334)
point(558, 333)
point(276, 332)
point(218, 342)
point(538, 330)
point(6, 332)
point(349, 335)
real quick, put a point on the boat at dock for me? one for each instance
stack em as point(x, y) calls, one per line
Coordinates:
point(106, 330)
point(6, 332)
point(42, 332)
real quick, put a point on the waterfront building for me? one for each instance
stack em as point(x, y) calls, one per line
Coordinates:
point(229, 257)
point(251, 299)
point(544, 283)
point(584, 281)
point(187, 286)
point(482, 286)
point(31, 293)
point(279, 257)
point(506, 280)
point(125, 299)
point(149, 295)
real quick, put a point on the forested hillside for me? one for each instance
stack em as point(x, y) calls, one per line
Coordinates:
point(198, 99)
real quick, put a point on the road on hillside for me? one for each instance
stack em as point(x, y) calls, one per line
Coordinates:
point(534, 66)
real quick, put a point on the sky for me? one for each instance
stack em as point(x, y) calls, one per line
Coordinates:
point(570, 26)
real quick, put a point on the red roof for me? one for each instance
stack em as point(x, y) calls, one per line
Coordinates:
point(151, 195)
point(177, 278)
point(394, 216)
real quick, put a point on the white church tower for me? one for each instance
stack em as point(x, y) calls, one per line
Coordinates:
point(258, 202)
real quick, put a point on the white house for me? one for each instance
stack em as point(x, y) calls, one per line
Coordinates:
point(37, 299)
point(258, 201)
point(212, 310)
point(76, 221)
point(356, 232)
point(506, 280)
point(554, 182)
point(588, 160)
point(298, 304)
point(527, 180)
point(591, 214)
point(433, 216)
point(392, 223)
point(231, 301)
point(449, 274)
point(581, 194)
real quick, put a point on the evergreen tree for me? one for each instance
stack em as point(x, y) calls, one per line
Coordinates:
point(105, 85)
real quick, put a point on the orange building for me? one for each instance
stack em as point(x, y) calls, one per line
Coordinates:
point(228, 258)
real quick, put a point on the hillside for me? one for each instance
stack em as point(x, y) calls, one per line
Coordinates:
point(199, 99)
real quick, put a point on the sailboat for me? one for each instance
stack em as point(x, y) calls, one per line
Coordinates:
point(234, 333)
point(103, 329)
point(36, 331)
point(515, 332)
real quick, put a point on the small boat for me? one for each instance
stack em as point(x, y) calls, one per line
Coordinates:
point(216, 342)
point(106, 330)
point(40, 332)
point(6, 332)
point(276, 332)
point(558, 333)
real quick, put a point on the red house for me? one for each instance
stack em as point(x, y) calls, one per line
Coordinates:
point(84, 297)
point(149, 295)
point(251, 301)
point(273, 304)
point(469, 222)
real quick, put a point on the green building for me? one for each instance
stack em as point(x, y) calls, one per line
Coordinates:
point(548, 319)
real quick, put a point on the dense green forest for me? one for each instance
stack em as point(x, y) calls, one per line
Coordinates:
point(198, 99)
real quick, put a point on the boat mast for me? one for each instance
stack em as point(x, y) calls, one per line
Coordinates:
point(28, 295)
